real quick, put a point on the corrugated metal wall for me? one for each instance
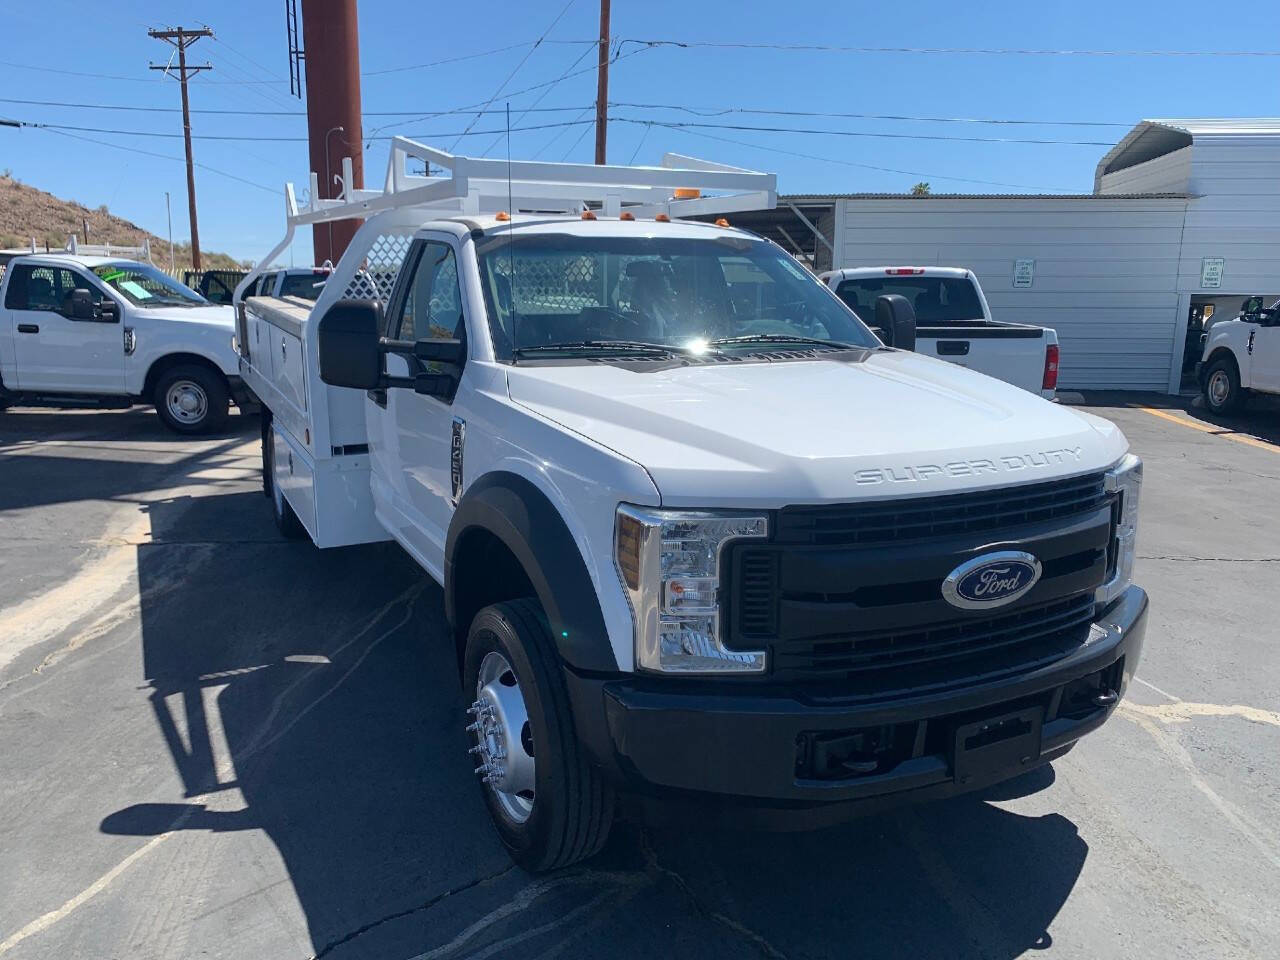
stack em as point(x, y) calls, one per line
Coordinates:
point(1105, 273)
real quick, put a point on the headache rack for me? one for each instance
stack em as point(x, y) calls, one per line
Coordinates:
point(473, 186)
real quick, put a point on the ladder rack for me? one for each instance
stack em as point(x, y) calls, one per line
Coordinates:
point(478, 185)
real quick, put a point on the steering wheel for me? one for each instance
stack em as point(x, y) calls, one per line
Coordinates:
point(626, 326)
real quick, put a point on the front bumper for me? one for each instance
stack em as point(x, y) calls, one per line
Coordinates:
point(753, 746)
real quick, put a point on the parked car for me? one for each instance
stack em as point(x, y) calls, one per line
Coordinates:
point(954, 322)
point(1241, 357)
point(701, 535)
point(83, 329)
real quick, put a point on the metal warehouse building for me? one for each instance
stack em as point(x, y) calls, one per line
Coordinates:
point(1183, 221)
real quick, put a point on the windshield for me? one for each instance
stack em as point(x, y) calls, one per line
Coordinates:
point(676, 293)
point(145, 286)
point(935, 299)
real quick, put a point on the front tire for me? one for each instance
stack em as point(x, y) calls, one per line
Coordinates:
point(1222, 390)
point(551, 808)
point(191, 399)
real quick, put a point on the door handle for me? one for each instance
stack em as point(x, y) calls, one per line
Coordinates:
point(953, 348)
point(28, 328)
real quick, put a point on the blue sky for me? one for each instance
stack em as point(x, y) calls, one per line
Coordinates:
point(246, 220)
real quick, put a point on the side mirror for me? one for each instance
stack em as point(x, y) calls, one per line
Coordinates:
point(107, 311)
point(81, 304)
point(348, 338)
point(896, 317)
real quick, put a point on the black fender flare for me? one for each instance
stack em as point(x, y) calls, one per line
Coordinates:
point(521, 516)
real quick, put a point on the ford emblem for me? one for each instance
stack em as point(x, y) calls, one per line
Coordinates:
point(991, 580)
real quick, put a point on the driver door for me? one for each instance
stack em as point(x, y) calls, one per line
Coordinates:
point(54, 352)
point(1264, 367)
point(412, 436)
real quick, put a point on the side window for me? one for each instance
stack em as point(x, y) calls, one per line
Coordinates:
point(433, 302)
point(15, 297)
point(45, 288)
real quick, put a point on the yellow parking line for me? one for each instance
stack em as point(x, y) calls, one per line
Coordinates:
point(1209, 428)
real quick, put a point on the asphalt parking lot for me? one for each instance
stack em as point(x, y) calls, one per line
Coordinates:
point(217, 743)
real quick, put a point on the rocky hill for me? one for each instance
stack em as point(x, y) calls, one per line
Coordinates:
point(27, 212)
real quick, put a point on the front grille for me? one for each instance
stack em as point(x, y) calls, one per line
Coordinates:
point(757, 613)
point(847, 599)
point(943, 655)
point(920, 518)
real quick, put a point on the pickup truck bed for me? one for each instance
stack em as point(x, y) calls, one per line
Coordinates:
point(998, 349)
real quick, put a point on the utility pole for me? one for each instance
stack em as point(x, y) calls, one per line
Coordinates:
point(602, 83)
point(181, 39)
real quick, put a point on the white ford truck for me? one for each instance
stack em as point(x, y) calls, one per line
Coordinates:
point(1241, 357)
point(82, 329)
point(953, 322)
point(701, 535)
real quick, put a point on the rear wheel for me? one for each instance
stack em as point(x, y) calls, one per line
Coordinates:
point(287, 521)
point(550, 806)
point(191, 399)
point(1222, 390)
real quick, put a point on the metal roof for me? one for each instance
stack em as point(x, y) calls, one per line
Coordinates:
point(1156, 138)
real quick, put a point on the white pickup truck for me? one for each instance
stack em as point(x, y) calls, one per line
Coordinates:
point(701, 535)
point(1241, 357)
point(83, 329)
point(953, 322)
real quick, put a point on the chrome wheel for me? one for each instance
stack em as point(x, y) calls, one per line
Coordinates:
point(186, 401)
point(1219, 387)
point(503, 737)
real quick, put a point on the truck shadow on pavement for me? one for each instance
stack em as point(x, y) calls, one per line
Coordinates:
point(313, 696)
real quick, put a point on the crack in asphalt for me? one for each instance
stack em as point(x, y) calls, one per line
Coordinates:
point(737, 927)
point(1178, 559)
point(400, 914)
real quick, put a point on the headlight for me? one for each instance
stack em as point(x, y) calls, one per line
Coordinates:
point(1125, 480)
point(669, 564)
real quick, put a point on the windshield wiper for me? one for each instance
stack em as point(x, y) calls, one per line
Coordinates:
point(630, 347)
point(780, 338)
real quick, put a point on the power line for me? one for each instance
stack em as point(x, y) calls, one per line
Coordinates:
point(467, 56)
point(700, 111)
point(248, 59)
point(683, 124)
point(984, 51)
point(274, 139)
point(259, 113)
point(161, 156)
point(516, 68)
point(760, 111)
point(670, 124)
point(529, 109)
point(851, 163)
point(546, 146)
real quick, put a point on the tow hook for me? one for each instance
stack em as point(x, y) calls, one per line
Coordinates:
point(1105, 698)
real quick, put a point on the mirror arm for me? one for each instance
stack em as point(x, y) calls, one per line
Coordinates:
point(389, 382)
point(402, 347)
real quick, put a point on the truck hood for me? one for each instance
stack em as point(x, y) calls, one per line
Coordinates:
point(813, 431)
point(210, 316)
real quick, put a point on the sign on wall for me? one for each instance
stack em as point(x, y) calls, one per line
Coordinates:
point(1024, 272)
point(1211, 271)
